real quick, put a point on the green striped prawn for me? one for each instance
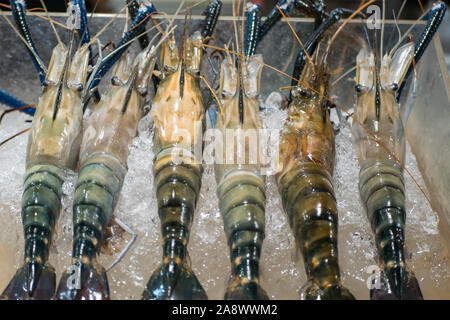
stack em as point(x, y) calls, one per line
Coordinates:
point(380, 141)
point(103, 165)
point(240, 186)
point(307, 156)
point(240, 183)
point(53, 147)
point(178, 113)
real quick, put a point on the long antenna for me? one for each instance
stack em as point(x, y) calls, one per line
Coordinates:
point(40, 62)
point(382, 29)
point(203, 77)
point(12, 137)
point(137, 37)
point(395, 19)
point(51, 23)
point(235, 26)
point(31, 11)
point(396, 25)
point(86, 30)
point(63, 77)
point(343, 76)
point(107, 24)
point(296, 36)
point(333, 38)
point(406, 34)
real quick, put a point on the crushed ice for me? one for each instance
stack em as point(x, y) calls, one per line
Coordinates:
point(282, 269)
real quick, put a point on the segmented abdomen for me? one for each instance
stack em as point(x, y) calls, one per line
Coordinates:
point(242, 198)
point(96, 194)
point(309, 201)
point(177, 190)
point(382, 190)
point(41, 203)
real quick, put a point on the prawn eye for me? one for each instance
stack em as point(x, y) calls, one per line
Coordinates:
point(115, 81)
point(305, 93)
point(394, 87)
point(301, 92)
point(79, 87)
point(359, 88)
point(47, 82)
point(142, 91)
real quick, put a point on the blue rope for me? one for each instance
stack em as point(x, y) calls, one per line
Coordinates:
point(9, 100)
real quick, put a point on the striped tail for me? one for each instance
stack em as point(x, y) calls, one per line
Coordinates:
point(41, 203)
point(96, 194)
point(309, 201)
point(383, 193)
point(241, 200)
point(177, 189)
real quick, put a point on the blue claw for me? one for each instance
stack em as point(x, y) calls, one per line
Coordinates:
point(136, 28)
point(434, 17)
point(18, 11)
point(274, 16)
point(253, 26)
point(83, 30)
point(212, 13)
